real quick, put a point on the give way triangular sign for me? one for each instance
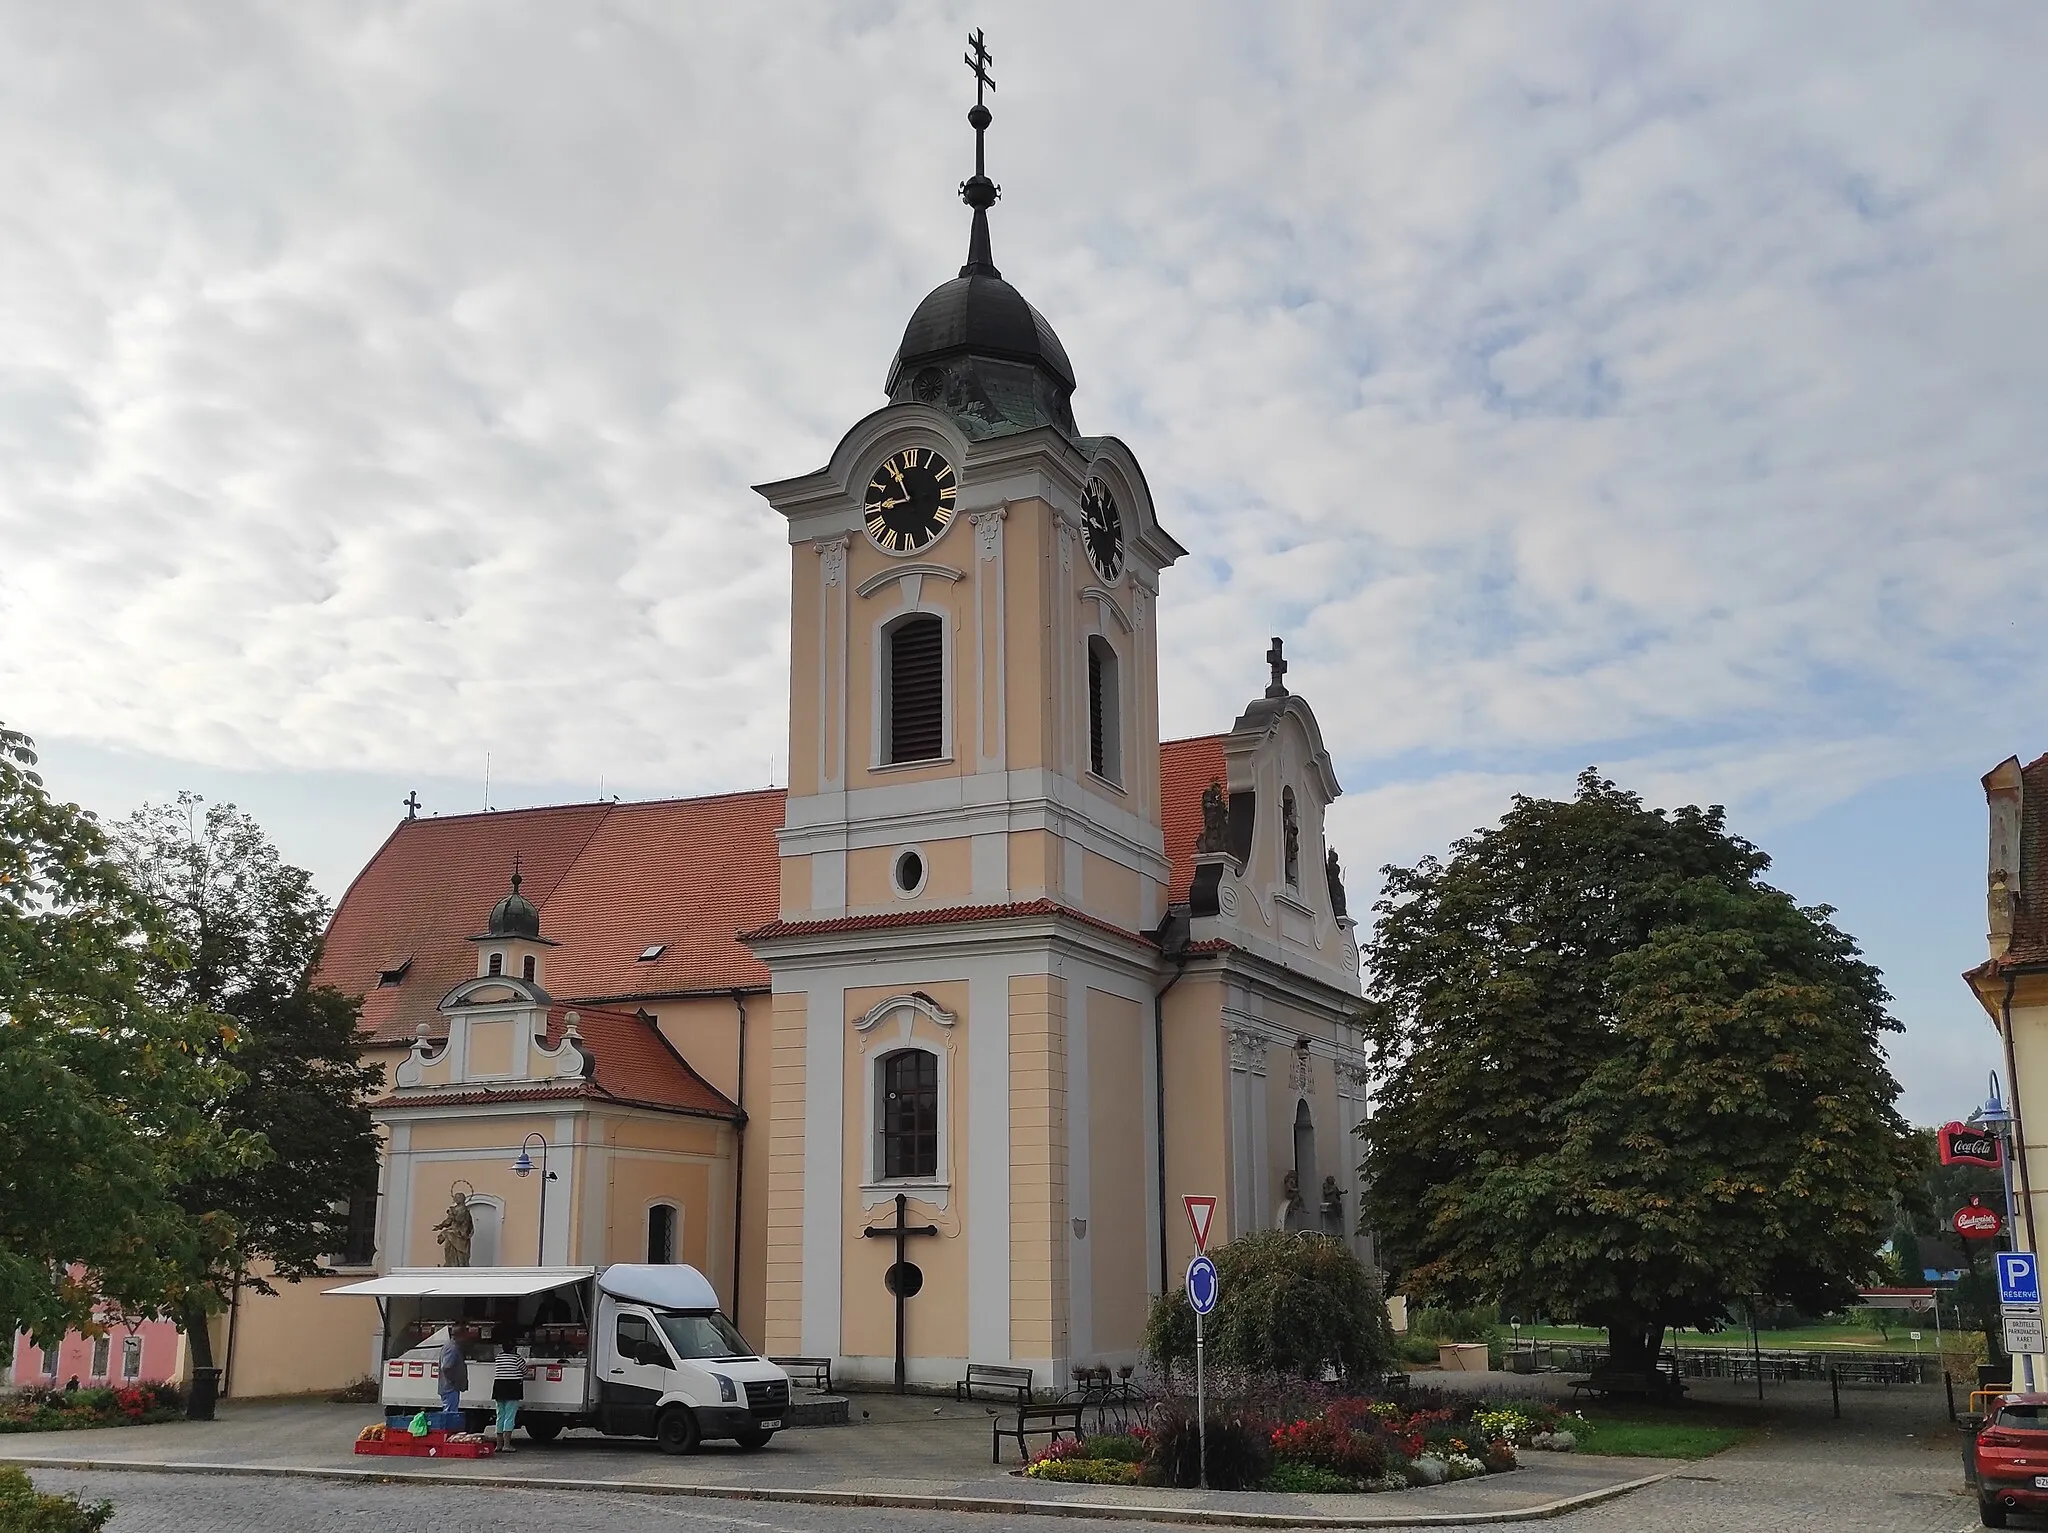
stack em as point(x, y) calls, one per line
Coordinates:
point(1200, 1212)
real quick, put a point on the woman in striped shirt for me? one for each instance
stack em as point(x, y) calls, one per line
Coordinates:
point(509, 1384)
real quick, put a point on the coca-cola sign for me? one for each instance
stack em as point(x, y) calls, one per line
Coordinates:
point(1965, 1144)
point(1977, 1222)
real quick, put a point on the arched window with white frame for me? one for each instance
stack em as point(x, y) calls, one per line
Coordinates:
point(907, 1115)
point(913, 681)
point(1105, 712)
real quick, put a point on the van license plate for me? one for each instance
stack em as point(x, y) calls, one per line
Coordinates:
point(774, 1426)
point(2041, 1482)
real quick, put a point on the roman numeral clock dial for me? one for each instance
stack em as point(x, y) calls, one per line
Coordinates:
point(1102, 531)
point(910, 501)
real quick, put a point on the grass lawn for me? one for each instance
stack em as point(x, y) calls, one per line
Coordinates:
point(1653, 1432)
point(1812, 1336)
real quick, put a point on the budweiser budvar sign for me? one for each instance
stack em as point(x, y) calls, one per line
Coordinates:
point(1965, 1144)
point(1977, 1222)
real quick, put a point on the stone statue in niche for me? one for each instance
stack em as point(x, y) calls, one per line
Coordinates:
point(1215, 836)
point(1290, 1202)
point(455, 1231)
point(1334, 872)
point(1290, 830)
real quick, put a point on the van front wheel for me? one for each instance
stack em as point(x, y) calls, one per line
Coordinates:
point(753, 1439)
point(676, 1430)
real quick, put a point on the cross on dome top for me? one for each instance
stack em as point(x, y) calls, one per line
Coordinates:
point(1277, 659)
point(978, 192)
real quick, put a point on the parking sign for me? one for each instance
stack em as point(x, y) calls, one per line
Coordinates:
point(2019, 1278)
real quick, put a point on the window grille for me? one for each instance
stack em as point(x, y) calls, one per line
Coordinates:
point(661, 1234)
point(910, 1114)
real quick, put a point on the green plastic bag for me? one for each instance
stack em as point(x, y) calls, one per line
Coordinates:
point(419, 1427)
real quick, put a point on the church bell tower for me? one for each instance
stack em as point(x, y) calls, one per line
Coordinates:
point(972, 850)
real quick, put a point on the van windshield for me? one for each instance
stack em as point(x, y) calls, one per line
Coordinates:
point(700, 1336)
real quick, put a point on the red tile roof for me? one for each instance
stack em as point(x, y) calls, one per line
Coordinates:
point(609, 880)
point(632, 1064)
point(1186, 767)
point(950, 915)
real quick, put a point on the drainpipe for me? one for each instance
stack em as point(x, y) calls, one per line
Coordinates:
point(1177, 951)
point(739, 1157)
point(2019, 1131)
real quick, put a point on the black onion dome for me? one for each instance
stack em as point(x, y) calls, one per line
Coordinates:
point(514, 915)
point(981, 316)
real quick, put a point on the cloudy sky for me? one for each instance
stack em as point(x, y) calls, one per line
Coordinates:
point(1654, 386)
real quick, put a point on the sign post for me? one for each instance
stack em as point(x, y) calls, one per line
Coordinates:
point(1203, 1291)
point(2019, 1299)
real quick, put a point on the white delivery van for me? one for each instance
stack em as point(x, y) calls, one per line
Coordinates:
point(634, 1351)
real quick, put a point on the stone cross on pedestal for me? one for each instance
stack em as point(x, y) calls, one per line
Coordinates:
point(1278, 661)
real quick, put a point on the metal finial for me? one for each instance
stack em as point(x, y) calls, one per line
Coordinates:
point(1278, 661)
point(412, 805)
point(978, 192)
point(517, 880)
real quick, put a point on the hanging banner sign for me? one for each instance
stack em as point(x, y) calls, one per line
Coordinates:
point(1977, 1222)
point(1965, 1144)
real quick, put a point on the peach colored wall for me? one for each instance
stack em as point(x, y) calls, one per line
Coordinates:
point(705, 1030)
point(636, 1182)
point(955, 599)
point(1110, 890)
point(1038, 1161)
point(1034, 863)
point(489, 1170)
point(783, 1267)
point(1117, 1154)
point(949, 874)
point(936, 1321)
point(490, 1048)
point(300, 1341)
point(1197, 1145)
point(1027, 555)
point(796, 884)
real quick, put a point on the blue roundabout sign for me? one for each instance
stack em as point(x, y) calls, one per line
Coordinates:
point(1203, 1286)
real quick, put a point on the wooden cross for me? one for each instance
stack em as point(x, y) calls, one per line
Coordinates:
point(412, 805)
point(901, 1231)
point(1278, 661)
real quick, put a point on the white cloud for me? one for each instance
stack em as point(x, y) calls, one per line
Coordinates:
point(380, 384)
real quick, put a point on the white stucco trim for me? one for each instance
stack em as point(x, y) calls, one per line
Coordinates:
point(875, 1047)
point(911, 604)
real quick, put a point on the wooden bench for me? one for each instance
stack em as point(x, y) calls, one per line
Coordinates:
point(1014, 1382)
point(817, 1369)
point(1640, 1386)
point(1048, 1421)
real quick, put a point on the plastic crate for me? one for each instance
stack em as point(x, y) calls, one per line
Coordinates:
point(433, 1445)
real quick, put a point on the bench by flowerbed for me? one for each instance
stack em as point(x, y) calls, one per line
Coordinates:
point(61, 1410)
point(1339, 1444)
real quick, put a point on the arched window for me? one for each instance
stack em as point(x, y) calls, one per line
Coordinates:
point(497, 965)
point(910, 1114)
point(526, 967)
point(914, 680)
point(1105, 722)
point(661, 1233)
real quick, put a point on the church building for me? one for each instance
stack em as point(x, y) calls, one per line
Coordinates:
point(999, 966)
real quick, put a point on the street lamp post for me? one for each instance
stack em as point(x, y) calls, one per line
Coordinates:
point(523, 1166)
point(1997, 1117)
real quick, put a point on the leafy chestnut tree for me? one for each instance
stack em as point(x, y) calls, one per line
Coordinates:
point(104, 1078)
point(1622, 1078)
point(247, 928)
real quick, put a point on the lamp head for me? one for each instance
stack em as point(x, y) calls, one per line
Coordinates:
point(524, 1165)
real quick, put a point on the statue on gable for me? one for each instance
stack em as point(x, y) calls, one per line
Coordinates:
point(1334, 872)
point(1290, 1203)
point(1215, 836)
point(455, 1231)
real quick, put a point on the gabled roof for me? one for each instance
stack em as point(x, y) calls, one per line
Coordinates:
point(610, 880)
point(632, 1065)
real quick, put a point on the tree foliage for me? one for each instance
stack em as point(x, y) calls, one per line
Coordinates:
point(248, 927)
point(103, 1077)
point(1622, 1077)
point(1289, 1303)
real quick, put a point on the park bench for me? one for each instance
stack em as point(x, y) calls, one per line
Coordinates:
point(1048, 1421)
point(817, 1369)
point(1640, 1386)
point(1014, 1382)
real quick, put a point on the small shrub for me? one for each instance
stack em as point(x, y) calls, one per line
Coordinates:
point(364, 1391)
point(1057, 1451)
point(1124, 1450)
point(1294, 1475)
point(24, 1509)
point(1240, 1452)
point(1085, 1471)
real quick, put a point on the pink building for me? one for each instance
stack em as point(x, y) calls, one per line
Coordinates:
point(149, 1353)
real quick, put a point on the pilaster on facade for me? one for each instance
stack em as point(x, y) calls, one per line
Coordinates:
point(1038, 1167)
point(783, 1315)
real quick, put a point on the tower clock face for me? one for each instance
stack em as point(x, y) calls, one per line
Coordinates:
point(910, 501)
point(1102, 529)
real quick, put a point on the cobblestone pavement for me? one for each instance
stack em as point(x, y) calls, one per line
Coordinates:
point(1892, 1465)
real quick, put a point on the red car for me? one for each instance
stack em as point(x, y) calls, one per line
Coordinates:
point(2011, 1458)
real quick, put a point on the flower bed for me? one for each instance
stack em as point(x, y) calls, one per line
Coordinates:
point(1339, 1443)
point(63, 1410)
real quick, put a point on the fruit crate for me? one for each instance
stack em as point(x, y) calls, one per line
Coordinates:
point(434, 1445)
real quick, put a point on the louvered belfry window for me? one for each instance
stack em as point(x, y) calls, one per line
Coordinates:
point(1095, 761)
point(1105, 723)
point(917, 690)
